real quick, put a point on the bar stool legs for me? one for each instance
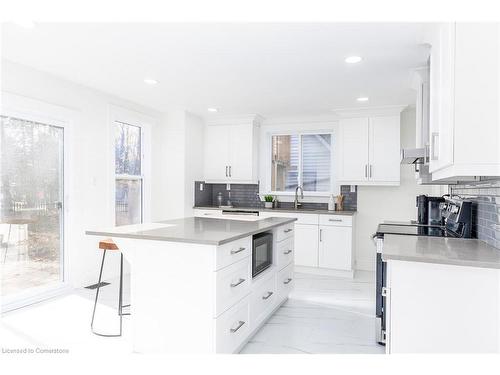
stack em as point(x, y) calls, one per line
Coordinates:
point(120, 299)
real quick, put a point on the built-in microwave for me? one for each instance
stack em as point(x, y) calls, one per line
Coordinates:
point(262, 252)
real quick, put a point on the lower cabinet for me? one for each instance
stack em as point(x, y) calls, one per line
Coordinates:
point(335, 247)
point(284, 282)
point(306, 245)
point(263, 300)
point(233, 327)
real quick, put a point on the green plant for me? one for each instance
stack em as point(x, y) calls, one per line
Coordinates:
point(269, 198)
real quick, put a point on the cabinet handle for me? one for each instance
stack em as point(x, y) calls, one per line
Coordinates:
point(320, 235)
point(287, 252)
point(287, 281)
point(238, 251)
point(288, 230)
point(366, 170)
point(434, 148)
point(240, 324)
point(370, 171)
point(229, 171)
point(234, 285)
point(269, 294)
point(336, 220)
point(226, 171)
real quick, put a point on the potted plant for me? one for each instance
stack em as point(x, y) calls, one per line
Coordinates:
point(268, 201)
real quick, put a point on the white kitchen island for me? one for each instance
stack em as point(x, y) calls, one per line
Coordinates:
point(192, 289)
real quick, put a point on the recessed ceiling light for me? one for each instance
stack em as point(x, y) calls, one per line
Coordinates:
point(212, 109)
point(362, 99)
point(353, 59)
point(150, 81)
point(27, 24)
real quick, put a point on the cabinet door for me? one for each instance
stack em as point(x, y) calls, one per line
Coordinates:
point(384, 148)
point(306, 245)
point(442, 97)
point(241, 153)
point(335, 247)
point(216, 153)
point(353, 147)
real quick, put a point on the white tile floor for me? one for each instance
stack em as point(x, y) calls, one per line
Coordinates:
point(323, 315)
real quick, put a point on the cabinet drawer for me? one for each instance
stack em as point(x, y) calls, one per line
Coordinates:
point(233, 327)
point(285, 282)
point(233, 283)
point(263, 300)
point(284, 252)
point(233, 252)
point(284, 232)
point(338, 220)
point(197, 212)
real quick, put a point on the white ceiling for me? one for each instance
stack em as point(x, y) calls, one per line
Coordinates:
point(270, 69)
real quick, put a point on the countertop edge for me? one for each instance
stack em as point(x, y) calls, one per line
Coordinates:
point(444, 262)
point(187, 240)
point(280, 210)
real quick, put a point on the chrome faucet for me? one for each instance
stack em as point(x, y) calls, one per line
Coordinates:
point(296, 203)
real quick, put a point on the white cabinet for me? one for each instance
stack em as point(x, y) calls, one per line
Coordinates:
point(464, 100)
point(231, 152)
point(306, 245)
point(335, 247)
point(369, 151)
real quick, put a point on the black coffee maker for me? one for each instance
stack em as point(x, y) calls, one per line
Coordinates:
point(428, 212)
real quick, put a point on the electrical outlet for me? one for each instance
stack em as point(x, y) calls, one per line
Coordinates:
point(201, 187)
point(353, 188)
point(228, 187)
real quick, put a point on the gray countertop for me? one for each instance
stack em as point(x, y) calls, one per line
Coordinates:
point(200, 230)
point(291, 210)
point(452, 251)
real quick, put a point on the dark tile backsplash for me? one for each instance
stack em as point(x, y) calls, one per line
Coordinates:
point(247, 195)
point(485, 196)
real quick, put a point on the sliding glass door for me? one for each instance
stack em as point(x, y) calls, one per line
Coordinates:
point(31, 207)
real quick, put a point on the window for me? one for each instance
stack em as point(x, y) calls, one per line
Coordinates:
point(301, 159)
point(128, 174)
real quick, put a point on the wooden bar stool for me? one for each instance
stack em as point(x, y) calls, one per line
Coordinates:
point(106, 245)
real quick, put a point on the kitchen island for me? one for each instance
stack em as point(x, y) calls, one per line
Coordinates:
point(192, 289)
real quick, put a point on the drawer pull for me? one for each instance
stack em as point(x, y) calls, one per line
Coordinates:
point(234, 285)
point(336, 220)
point(240, 324)
point(238, 251)
point(287, 252)
point(287, 281)
point(288, 230)
point(269, 294)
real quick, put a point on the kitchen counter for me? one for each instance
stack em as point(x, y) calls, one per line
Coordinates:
point(451, 251)
point(291, 210)
point(208, 231)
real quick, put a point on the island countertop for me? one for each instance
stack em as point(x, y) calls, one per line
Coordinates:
point(452, 251)
point(200, 230)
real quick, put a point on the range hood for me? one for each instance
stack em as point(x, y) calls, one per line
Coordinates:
point(413, 156)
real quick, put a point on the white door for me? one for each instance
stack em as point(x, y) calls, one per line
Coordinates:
point(240, 152)
point(385, 148)
point(335, 247)
point(353, 147)
point(217, 153)
point(306, 245)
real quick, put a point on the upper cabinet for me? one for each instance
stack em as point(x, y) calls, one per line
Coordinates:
point(231, 154)
point(369, 151)
point(464, 101)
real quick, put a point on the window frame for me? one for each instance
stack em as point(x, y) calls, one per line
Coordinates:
point(129, 117)
point(269, 163)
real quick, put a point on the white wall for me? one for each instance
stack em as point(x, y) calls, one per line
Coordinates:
point(91, 195)
point(178, 160)
point(379, 203)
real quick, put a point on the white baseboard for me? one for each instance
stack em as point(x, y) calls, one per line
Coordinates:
point(324, 271)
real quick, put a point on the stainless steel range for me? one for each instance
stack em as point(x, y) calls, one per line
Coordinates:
point(455, 220)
